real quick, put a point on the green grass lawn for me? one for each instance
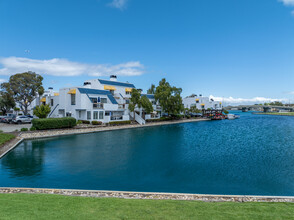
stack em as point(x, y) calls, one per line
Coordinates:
point(277, 113)
point(34, 206)
point(5, 137)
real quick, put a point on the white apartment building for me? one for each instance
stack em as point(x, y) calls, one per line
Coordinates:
point(97, 100)
point(201, 102)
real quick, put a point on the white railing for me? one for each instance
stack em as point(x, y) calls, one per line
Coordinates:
point(139, 119)
point(98, 105)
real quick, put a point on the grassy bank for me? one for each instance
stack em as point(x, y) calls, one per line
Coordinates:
point(25, 206)
point(5, 137)
point(276, 113)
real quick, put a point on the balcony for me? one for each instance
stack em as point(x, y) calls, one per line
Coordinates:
point(98, 105)
point(116, 118)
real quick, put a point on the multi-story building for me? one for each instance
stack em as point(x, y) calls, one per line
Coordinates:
point(97, 100)
point(201, 102)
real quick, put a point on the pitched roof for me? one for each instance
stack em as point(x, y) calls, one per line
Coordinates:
point(94, 91)
point(98, 92)
point(149, 96)
point(114, 83)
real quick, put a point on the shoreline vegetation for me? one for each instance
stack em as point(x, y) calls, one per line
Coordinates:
point(31, 206)
point(274, 113)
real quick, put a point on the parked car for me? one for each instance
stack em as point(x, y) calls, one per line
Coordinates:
point(21, 119)
point(3, 119)
point(8, 119)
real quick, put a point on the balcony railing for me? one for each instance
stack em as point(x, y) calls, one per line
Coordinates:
point(98, 105)
point(116, 118)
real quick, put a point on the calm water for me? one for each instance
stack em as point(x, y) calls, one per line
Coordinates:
point(253, 155)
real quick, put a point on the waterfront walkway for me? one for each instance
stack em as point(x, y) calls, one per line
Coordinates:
point(62, 132)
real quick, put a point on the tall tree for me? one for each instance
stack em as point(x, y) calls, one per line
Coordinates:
point(24, 88)
point(152, 89)
point(146, 104)
point(6, 99)
point(169, 98)
point(135, 100)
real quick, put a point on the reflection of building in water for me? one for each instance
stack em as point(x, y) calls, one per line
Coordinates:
point(25, 160)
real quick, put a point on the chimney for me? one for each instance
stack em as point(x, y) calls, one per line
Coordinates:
point(113, 78)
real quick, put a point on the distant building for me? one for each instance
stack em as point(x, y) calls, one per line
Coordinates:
point(201, 102)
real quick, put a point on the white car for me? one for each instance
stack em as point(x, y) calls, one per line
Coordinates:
point(21, 119)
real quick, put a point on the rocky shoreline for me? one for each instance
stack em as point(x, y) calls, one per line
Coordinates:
point(147, 195)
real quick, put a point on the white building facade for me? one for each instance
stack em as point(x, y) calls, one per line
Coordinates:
point(97, 100)
point(201, 103)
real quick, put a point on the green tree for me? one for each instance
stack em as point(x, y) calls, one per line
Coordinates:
point(169, 98)
point(152, 89)
point(194, 109)
point(16, 109)
point(146, 104)
point(226, 112)
point(42, 111)
point(24, 88)
point(6, 99)
point(135, 100)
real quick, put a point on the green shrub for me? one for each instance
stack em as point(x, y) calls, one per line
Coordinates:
point(86, 122)
point(96, 123)
point(54, 123)
point(42, 111)
point(79, 122)
point(24, 129)
point(33, 129)
point(119, 122)
point(159, 119)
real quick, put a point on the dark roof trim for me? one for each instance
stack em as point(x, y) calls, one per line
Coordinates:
point(149, 96)
point(98, 92)
point(114, 83)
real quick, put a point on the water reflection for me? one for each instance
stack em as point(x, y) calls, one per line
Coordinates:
point(26, 160)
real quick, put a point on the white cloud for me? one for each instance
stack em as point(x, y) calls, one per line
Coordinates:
point(287, 2)
point(64, 67)
point(120, 4)
point(246, 101)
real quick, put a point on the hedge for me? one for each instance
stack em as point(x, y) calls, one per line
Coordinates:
point(119, 122)
point(159, 119)
point(54, 123)
point(96, 123)
point(24, 129)
point(85, 122)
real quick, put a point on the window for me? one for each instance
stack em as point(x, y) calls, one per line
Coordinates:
point(68, 114)
point(52, 102)
point(88, 115)
point(197, 101)
point(101, 115)
point(127, 101)
point(103, 100)
point(73, 99)
point(80, 114)
point(95, 115)
point(153, 103)
point(93, 100)
point(107, 113)
point(128, 93)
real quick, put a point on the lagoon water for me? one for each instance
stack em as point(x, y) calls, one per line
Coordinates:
point(250, 156)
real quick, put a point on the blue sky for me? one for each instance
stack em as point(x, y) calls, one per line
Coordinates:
point(238, 50)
